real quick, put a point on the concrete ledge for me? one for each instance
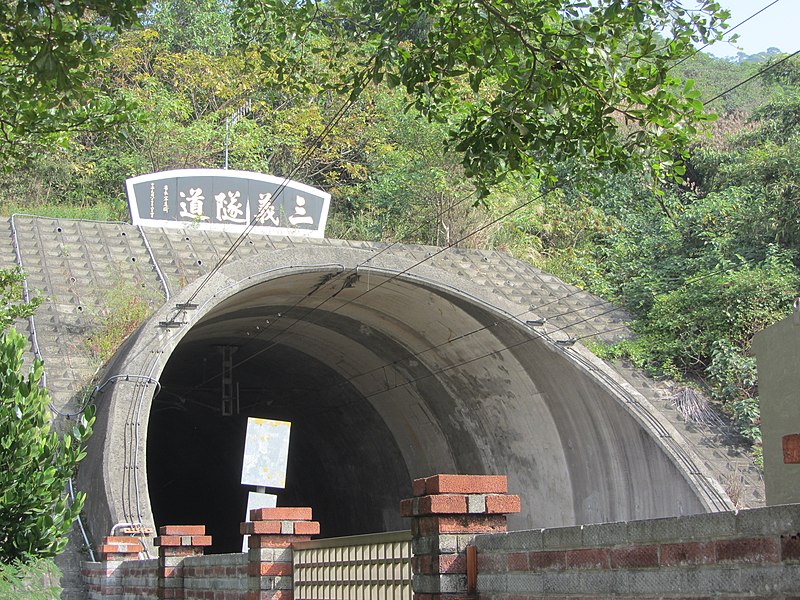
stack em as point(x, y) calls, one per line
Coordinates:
point(774, 520)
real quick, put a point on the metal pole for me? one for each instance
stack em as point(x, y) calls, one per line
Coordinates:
point(227, 122)
point(232, 120)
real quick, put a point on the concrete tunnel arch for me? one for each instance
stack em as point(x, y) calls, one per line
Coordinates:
point(378, 371)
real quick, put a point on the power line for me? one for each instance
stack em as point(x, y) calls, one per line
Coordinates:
point(305, 319)
point(300, 162)
point(339, 275)
point(754, 76)
point(502, 321)
point(538, 336)
point(272, 342)
point(730, 30)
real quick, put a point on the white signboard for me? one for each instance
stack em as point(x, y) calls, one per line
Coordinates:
point(257, 500)
point(266, 453)
point(223, 200)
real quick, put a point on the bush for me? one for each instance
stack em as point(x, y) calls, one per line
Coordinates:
point(29, 581)
point(125, 308)
point(729, 305)
point(35, 462)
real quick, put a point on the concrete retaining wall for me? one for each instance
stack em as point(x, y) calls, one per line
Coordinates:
point(732, 554)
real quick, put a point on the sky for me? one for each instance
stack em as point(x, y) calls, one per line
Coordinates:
point(776, 27)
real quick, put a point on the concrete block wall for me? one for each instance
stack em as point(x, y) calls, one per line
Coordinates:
point(447, 512)
point(272, 531)
point(140, 579)
point(215, 577)
point(750, 553)
point(119, 563)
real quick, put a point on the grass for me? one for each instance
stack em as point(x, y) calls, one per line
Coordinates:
point(90, 213)
point(125, 308)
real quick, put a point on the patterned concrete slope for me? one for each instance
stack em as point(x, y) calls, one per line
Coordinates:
point(9, 260)
point(78, 265)
point(75, 265)
point(183, 255)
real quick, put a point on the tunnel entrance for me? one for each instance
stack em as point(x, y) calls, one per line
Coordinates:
point(385, 377)
point(341, 453)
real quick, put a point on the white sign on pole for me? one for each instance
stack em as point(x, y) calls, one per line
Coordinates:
point(266, 453)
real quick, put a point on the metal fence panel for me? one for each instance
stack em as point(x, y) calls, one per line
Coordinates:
point(361, 567)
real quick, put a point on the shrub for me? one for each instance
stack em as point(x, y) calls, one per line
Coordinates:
point(35, 462)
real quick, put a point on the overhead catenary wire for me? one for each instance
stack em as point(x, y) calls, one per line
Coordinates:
point(533, 309)
point(506, 319)
point(504, 348)
point(342, 110)
point(761, 72)
point(350, 271)
point(272, 341)
point(323, 134)
point(305, 319)
point(729, 30)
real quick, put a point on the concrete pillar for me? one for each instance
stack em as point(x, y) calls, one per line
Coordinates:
point(175, 543)
point(777, 350)
point(447, 511)
point(272, 532)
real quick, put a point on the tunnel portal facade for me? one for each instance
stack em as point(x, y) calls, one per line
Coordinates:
point(386, 374)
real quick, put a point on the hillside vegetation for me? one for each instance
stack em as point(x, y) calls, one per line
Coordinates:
point(701, 261)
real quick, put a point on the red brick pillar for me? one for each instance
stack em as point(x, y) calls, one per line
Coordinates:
point(447, 511)
point(113, 552)
point(272, 532)
point(176, 542)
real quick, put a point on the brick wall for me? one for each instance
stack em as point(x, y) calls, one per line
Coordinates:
point(750, 553)
point(140, 579)
point(215, 577)
point(462, 551)
point(183, 572)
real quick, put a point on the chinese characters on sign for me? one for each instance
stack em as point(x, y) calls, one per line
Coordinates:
point(226, 200)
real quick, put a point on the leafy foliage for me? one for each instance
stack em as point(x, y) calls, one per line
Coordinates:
point(29, 581)
point(125, 308)
point(525, 85)
point(12, 304)
point(48, 53)
point(190, 25)
point(35, 462)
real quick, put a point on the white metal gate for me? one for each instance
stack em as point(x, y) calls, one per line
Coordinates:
point(369, 567)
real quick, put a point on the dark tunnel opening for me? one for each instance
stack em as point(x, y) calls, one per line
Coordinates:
point(343, 460)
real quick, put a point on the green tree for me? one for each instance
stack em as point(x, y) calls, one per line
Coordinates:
point(759, 163)
point(525, 85)
point(200, 25)
point(35, 462)
point(48, 57)
point(36, 580)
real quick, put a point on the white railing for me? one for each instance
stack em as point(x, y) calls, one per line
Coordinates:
point(361, 567)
